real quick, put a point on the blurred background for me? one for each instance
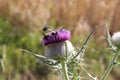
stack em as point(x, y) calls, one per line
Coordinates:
point(21, 23)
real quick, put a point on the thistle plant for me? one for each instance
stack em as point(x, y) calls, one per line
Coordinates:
point(60, 53)
point(114, 44)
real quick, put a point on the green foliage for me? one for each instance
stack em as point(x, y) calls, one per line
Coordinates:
point(5, 31)
point(15, 60)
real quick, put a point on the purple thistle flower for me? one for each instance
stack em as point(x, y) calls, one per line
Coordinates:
point(56, 36)
point(56, 43)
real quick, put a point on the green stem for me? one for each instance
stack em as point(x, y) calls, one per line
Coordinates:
point(105, 75)
point(64, 67)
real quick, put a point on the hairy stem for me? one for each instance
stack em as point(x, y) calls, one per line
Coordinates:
point(64, 68)
point(111, 64)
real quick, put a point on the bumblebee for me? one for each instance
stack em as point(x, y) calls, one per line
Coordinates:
point(46, 31)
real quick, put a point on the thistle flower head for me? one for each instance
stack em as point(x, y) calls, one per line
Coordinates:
point(55, 36)
point(116, 38)
point(56, 42)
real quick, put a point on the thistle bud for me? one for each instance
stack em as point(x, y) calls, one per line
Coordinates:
point(56, 44)
point(116, 38)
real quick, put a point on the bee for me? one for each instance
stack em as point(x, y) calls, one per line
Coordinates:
point(54, 33)
point(46, 31)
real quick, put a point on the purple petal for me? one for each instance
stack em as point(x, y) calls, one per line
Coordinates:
point(61, 35)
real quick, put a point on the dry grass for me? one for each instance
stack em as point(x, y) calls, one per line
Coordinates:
point(37, 13)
